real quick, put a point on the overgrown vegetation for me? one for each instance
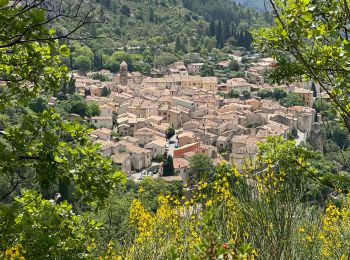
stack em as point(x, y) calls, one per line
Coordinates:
point(60, 199)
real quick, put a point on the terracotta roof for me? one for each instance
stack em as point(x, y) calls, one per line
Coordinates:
point(180, 163)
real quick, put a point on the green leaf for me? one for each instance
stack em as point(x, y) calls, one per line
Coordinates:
point(307, 17)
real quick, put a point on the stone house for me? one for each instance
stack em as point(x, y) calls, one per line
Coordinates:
point(194, 68)
point(254, 103)
point(239, 84)
point(222, 143)
point(157, 147)
point(305, 117)
point(181, 167)
point(123, 160)
point(186, 138)
point(177, 116)
point(176, 101)
point(210, 83)
point(209, 150)
point(102, 121)
point(140, 158)
point(124, 129)
point(307, 95)
point(106, 110)
point(146, 135)
point(106, 147)
point(190, 125)
point(191, 82)
point(102, 134)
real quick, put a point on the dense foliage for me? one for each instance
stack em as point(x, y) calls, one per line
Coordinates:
point(143, 36)
point(60, 199)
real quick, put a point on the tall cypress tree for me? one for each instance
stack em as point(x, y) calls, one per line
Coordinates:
point(227, 32)
point(151, 15)
point(248, 39)
point(178, 44)
point(168, 166)
point(313, 88)
point(212, 28)
point(71, 85)
point(219, 35)
point(233, 29)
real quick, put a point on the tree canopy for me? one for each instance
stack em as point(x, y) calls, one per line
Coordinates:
point(315, 34)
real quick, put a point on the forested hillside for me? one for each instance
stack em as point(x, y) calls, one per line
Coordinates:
point(147, 28)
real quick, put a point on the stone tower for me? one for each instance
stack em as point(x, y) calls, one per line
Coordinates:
point(123, 74)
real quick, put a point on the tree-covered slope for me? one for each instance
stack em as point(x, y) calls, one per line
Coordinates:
point(137, 24)
point(149, 28)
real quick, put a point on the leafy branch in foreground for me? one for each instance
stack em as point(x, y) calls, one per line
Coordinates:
point(316, 35)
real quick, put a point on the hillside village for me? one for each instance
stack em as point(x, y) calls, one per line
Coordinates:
point(138, 110)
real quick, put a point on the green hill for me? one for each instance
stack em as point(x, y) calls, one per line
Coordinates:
point(148, 28)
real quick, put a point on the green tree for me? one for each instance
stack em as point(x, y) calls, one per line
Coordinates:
point(165, 58)
point(59, 232)
point(93, 110)
point(39, 104)
point(152, 15)
point(170, 132)
point(326, 109)
point(245, 94)
point(212, 28)
point(105, 92)
point(313, 88)
point(234, 65)
point(83, 63)
point(168, 166)
point(201, 167)
point(301, 40)
point(337, 134)
point(234, 93)
point(265, 93)
point(279, 93)
point(292, 99)
point(179, 46)
point(294, 133)
point(42, 149)
point(207, 70)
point(219, 35)
point(125, 10)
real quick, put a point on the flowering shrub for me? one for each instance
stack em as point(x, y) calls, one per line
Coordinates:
point(205, 223)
